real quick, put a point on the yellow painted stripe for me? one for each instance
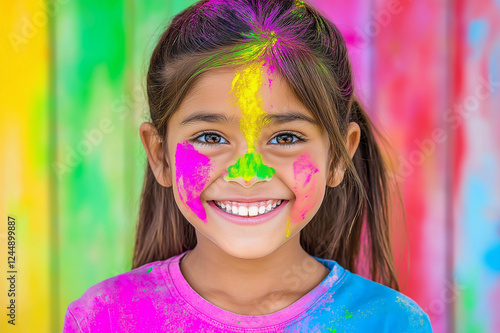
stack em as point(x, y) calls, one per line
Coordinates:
point(23, 152)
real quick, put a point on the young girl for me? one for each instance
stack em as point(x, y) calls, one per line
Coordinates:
point(263, 175)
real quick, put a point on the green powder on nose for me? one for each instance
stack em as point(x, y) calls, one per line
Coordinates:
point(248, 166)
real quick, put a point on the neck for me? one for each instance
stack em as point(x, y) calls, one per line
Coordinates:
point(239, 285)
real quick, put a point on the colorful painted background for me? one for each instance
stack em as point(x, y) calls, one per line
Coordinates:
point(72, 98)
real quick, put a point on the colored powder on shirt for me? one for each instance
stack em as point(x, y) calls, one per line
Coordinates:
point(347, 314)
point(163, 301)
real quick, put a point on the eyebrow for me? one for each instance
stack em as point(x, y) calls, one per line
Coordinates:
point(281, 118)
point(276, 118)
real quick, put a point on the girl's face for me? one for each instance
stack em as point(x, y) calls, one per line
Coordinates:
point(241, 140)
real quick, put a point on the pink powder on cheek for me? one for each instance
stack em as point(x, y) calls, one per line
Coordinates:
point(306, 187)
point(192, 174)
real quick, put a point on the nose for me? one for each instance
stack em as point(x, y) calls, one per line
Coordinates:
point(249, 170)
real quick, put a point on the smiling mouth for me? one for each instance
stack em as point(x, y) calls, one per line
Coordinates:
point(248, 210)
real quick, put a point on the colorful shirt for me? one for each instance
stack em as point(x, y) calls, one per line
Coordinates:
point(157, 298)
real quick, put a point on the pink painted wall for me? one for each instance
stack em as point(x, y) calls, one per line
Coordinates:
point(429, 73)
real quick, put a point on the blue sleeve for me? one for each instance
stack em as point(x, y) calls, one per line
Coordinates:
point(423, 325)
point(409, 317)
point(427, 324)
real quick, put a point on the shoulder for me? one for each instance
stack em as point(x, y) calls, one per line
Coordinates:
point(118, 289)
point(136, 298)
point(396, 311)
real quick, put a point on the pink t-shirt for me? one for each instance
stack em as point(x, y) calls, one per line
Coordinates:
point(157, 298)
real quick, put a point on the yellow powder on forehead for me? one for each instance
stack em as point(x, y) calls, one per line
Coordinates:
point(246, 88)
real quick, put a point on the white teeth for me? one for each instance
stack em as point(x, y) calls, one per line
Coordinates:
point(242, 211)
point(253, 211)
point(260, 209)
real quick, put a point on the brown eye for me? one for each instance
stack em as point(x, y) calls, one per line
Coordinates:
point(209, 138)
point(212, 138)
point(287, 139)
point(284, 138)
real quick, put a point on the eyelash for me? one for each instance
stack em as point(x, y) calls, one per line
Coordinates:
point(299, 136)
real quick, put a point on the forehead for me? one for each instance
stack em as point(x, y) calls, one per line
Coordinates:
point(213, 91)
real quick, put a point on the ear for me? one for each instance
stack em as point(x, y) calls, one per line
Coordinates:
point(352, 143)
point(153, 145)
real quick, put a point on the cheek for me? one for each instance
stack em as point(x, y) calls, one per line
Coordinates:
point(192, 173)
point(306, 188)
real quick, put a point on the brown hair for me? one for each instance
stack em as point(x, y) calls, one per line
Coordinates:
point(308, 51)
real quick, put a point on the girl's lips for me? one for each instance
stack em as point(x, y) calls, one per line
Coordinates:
point(250, 219)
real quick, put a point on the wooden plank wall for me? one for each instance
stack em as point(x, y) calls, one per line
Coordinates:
point(72, 99)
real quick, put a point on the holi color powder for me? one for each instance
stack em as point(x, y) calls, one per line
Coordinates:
point(305, 189)
point(287, 233)
point(248, 166)
point(347, 314)
point(192, 173)
point(475, 55)
point(300, 3)
point(270, 70)
point(246, 89)
point(160, 298)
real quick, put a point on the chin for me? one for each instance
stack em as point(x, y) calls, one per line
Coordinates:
point(248, 249)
